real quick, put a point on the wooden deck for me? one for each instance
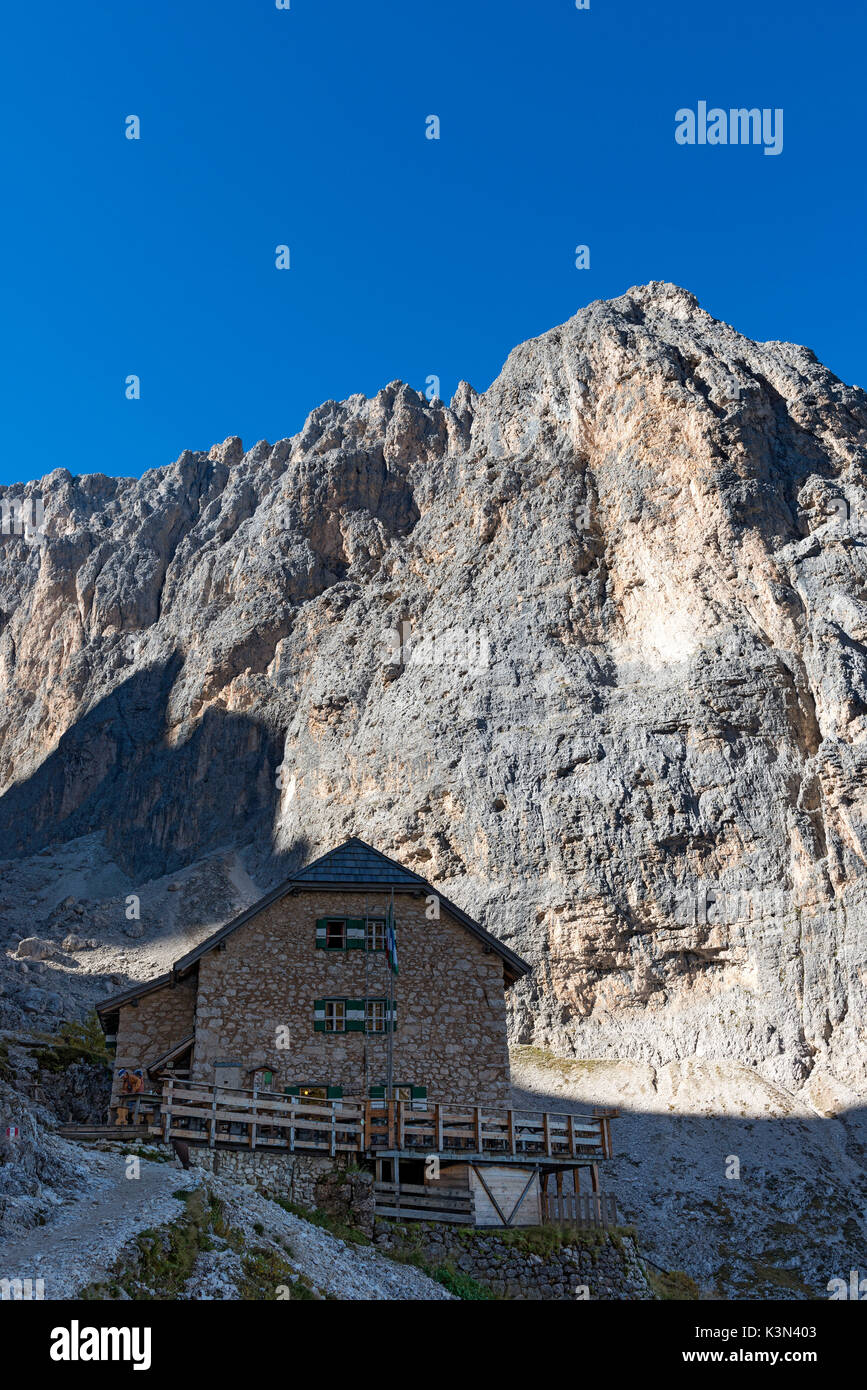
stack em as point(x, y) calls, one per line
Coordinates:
point(222, 1116)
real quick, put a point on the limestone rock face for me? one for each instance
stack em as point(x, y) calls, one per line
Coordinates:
point(587, 650)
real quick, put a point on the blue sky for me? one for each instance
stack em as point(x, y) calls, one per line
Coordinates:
point(409, 257)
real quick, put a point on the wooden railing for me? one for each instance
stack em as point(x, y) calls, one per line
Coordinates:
point(579, 1209)
point(202, 1113)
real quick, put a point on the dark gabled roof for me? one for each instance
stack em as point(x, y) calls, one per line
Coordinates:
point(351, 865)
point(356, 862)
point(172, 1053)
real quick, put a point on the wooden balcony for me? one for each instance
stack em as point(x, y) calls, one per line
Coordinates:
point(222, 1116)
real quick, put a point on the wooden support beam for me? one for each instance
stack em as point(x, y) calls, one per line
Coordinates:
point(497, 1208)
point(527, 1186)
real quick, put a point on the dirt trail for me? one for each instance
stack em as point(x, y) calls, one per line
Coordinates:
point(81, 1245)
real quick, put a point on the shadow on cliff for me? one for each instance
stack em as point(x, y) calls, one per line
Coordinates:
point(157, 807)
point(749, 1206)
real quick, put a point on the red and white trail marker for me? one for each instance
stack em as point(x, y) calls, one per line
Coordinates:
point(12, 1131)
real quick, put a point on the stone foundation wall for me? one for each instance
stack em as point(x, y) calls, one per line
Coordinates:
point(600, 1266)
point(291, 1176)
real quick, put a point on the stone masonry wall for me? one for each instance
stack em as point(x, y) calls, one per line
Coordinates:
point(592, 1266)
point(292, 1176)
point(451, 1016)
point(160, 1021)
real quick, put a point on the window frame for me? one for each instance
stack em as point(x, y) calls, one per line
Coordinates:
point(333, 1004)
point(373, 926)
point(373, 1002)
point(334, 921)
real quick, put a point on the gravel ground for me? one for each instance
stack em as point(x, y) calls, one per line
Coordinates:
point(348, 1272)
point(82, 1243)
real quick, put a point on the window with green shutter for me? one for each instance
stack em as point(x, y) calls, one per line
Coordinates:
point(331, 933)
point(355, 1015)
point(375, 936)
point(355, 934)
point(329, 1016)
point(350, 933)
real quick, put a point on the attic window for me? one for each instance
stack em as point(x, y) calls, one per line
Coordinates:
point(335, 933)
point(349, 933)
point(375, 934)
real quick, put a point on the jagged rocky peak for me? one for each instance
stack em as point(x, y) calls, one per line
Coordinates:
point(586, 648)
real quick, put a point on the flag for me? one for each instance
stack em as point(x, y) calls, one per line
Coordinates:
point(391, 941)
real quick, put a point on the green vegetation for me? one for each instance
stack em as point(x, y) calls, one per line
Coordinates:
point(675, 1285)
point(460, 1284)
point(74, 1041)
point(264, 1272)
point(7, 1071)
point(351, 1234)
point(159, 1262)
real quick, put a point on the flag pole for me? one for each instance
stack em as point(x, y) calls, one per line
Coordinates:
point(390, 1004)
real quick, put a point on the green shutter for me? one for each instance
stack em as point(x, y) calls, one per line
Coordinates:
point(419, 1092)
point(334, 1092)
point(292, 1091)
point(320, 933)
point(355, 1015)
point(356, 933)
point(377, 1093)
point(319, 1015)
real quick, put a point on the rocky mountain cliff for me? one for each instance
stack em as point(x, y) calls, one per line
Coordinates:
point(586, 650)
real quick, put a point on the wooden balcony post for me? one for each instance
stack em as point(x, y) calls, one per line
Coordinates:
point(439, 1124)
point(252, 1128)
point(213, 1136)
point(478, 1128)
point(167, 1092)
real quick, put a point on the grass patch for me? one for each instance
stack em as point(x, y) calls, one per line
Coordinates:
point(460, 1284)
point(160, 1259)
point(673, 1286)
point(159, 1262)
point(351, 1234)
point(264, 1272)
